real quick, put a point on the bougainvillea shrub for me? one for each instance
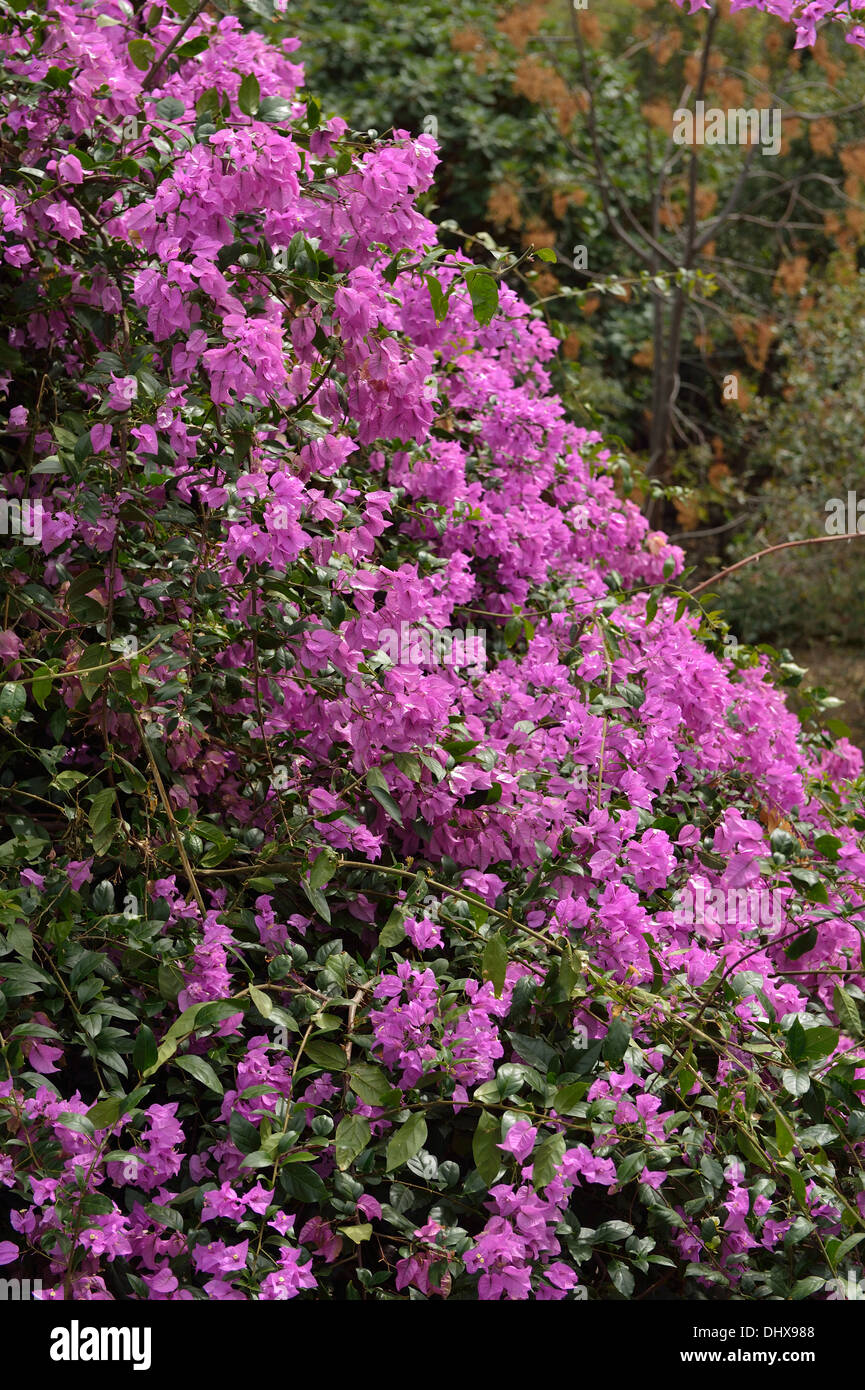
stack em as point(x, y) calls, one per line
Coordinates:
point(409, 890)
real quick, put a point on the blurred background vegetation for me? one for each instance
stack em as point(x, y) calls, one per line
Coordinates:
point(737, 386)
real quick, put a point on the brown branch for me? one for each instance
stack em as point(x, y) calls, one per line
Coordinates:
point(770, 549)
point(166, 53)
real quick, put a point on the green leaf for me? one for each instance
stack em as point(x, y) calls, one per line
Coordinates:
point(613, 1230)
point(70, 1119)
point(378, 788)
point(801, 945)
point(216, 1012)
point(20, 938)
point(257, 1159)
point(323, 869)
point(41, 687)
point(142, 53)
point(484, 293)
point(616, 1041)
point(352, 1136)
point(820, 1042)
point(249, 95)
point(798, 1083)
point(170, 982)
point(685, 1078)
point(193, 47)
point(846, 1246)
point(485, 1151)
point(208, 103)
point(13, 701)
point(357, 1233)
point(622, 1278)
point(370, 1083)
point(546, 253)
point(202, 1071)
point(409, 765)
point(92, 668)
point(145, 1051)
point(534, 1050)
point(630, 1167)
point(848, 1013)
point(169, 108)
point(317, 898)
point(438, 298)
point(262, 1001)
point(300, 1182)
point(750, 1150)
point(567, 1098)
point(406, 1142)
point(274, 110)
point(102, 897)
point(513, 629)
point(828, 846)
point(243, 1134)
point(393, 930)
point(547, 1160)
point(101, 807)
point(785, 1138)
point(165, 1216)
point(804, 1288)
point(325, 1054)
point(495, 962)
point(79, 590)
point(795, 1043)
point(106, 1113)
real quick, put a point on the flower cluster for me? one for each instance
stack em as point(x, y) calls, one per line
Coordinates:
point(298, 932)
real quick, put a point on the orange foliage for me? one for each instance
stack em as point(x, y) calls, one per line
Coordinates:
point(853, 159)
point(687, 512)
point(731, 92)
point(521, 23)
point(832, 69)
point(822, 135)
point(590, 27)
point(465, 40)
point(664, 48)
point(855, 219)
point(791, 129)
point(790, 276)
point(545, 283)
point(538, 233)
point(471, 40)
point(659, 113)
point(692, 69)
point(503, 205)
point(542, 84)
point(671, 215)
point(706, 202)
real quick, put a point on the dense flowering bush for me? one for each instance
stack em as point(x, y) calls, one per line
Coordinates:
point(334, 965)
point(806, 15)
